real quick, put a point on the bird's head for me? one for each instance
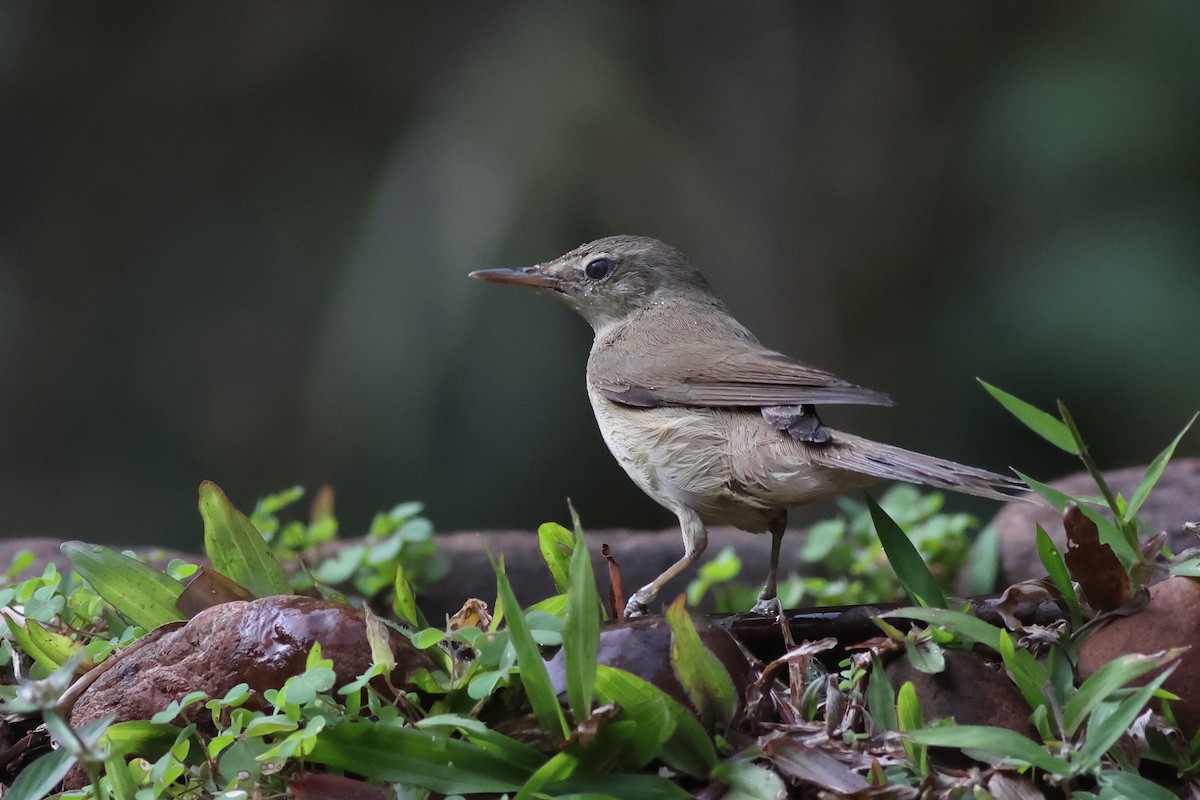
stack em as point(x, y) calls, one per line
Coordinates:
point(611, 278)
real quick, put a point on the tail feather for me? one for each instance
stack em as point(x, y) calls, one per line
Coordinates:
point(887, 462)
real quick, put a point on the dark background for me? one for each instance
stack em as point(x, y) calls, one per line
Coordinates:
point(234, 236)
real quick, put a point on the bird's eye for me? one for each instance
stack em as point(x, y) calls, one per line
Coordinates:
point(597, 268)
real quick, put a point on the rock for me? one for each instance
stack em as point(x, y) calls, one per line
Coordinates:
point(970, 691)
point(642, 647)
point(1174, 501)
point(1168, 620)
point(262, 643)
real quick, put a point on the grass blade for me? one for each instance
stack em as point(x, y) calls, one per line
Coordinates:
point(431, 760)
point(910, 569)
point(581, 631)
point(1051, 429)
point(1000, 743)
point(534, 677)
point(1056, 568)
point(1154, 472)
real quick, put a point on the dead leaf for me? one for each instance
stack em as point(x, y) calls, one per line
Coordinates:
point(616, 592)
point(1093, 565)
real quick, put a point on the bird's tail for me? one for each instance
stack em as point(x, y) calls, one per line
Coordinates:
point(886, 462)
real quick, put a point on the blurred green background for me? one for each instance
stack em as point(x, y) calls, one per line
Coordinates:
point(234, 236)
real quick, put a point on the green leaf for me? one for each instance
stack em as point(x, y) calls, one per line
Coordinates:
point(556, 544)
point(236, 548)
point(41, 777)
point(966, 627)
point(492, 741)
point(996, 743)
point(431, 760)
point(140, 737)
point(910, 569)
point(1132, 785)
point(21, 634)
point(748, 781)
point(404, 600)
point(534, 677)
point(924, 654)
point(1103, 682)
point(141, 594)
point(1049, 428)
point(704, 679)
point(1056, 568)
point(1025, 670)
point(881, 697)
point(1102, 734)
point(1154, 472)
point(983, 562)
point(642, 787)
point(688, 748)
point(581, 632)
point(909, 718)
point(1051, 495)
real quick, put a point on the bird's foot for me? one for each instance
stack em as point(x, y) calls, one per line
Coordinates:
point(800, 422)
point(767, 606)
point(636, 608)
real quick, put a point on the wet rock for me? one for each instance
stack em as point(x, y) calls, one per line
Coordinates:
point(642, 647)
point(1174, 501)
point(970, 691)
point(1168, 620)
point(262, 643)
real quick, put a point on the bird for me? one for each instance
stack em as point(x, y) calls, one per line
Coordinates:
point(706, 420)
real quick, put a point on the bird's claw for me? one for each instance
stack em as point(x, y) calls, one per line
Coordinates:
point(635, 608)
point(767, 607)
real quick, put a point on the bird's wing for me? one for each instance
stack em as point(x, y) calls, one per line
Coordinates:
point(743, 374)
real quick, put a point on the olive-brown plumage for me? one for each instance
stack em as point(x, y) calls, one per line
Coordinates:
point(707, 421)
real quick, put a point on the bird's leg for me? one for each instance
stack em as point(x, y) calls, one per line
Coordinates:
point(768, 602)
point(800, 422)
point(695, 539)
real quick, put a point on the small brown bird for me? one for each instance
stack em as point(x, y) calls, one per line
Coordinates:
point(707, 421)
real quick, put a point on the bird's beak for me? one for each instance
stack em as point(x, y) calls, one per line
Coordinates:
point(525, 276)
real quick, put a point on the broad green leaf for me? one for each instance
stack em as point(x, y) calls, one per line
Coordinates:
point(490, 740)
point(983, 562)
point(1103, 682)
point(431, 760)
point(21, 634)
point(1025, 670)
point(1056, 568)
point(910, 569)
point(747, 781)
point(558, 768)
point(581, 632)
point(1132, 785)
point(1048, 427)
point(996, 743)
point(140, 737)
point(688, 749)
point(404, 600)
point(909, 718)
point(556, 544)
point(1154, 472)
point(534, 677)
point(1102, 734)
point(881, 697)
point(704, 679)
point(236, 548)
point(924, 654)
point(965, 627)
point(141, 594)
point(42, 776)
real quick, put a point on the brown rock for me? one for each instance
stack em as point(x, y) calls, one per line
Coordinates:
point(970, 691)
point(1168, 620)
point(642, 647)
point(1174, 501)
point(262, 643)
